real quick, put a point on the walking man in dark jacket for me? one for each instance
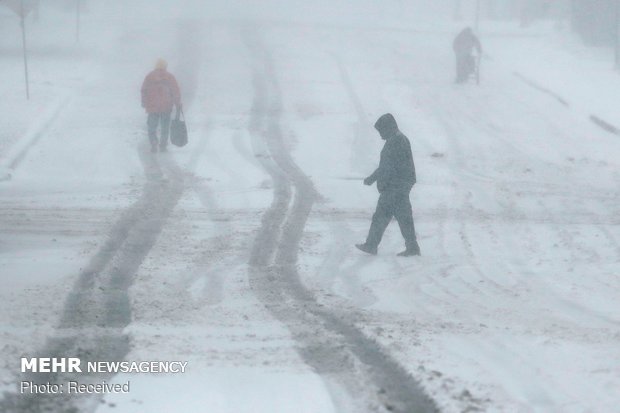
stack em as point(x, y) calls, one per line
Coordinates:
point(395, 177)
point(463, 46)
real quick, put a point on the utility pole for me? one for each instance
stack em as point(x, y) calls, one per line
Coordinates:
point(616, 35)
point(23, 24)
point(457, 10)
point(77, 21)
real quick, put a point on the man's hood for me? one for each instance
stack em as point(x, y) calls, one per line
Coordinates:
point(386, 125)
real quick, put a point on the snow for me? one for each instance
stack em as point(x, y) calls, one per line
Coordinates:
point(212, 388)
point(513, 304)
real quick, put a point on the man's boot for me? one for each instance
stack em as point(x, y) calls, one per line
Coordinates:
point(367, 248)
point(412, 250)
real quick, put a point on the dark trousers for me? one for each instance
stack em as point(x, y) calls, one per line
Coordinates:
point(465, 66)
point(393, 204)
point(155, 119)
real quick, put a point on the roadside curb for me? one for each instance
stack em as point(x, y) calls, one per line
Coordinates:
point(542, 89)
point(605, 125)
point(597, 120)
point(34, 133)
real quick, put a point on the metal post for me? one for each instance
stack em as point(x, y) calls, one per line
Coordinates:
point(77, 21)
point(24, 47)
point(616, 34)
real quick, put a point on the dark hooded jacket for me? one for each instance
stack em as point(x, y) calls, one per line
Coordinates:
point(396, 170)
point(466, 42)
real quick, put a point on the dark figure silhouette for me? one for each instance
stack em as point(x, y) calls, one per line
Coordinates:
point(463, 46)
point(395, 177)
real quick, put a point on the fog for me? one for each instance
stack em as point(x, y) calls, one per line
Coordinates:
point(381, 206)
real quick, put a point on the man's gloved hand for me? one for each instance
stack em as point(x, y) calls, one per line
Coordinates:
point(368, 181)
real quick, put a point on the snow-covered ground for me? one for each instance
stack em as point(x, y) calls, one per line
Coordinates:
point(107, 251)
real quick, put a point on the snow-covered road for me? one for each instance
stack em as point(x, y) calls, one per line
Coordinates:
point(235, 252)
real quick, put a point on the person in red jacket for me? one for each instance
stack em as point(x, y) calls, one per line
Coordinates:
point(160, 92)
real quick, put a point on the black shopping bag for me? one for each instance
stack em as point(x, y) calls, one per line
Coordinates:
point(178, 130)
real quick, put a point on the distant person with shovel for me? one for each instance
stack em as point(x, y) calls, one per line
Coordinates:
point(160, 92)
point(395, 177)
point(463, 46)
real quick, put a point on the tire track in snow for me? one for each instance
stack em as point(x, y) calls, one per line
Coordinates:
point(98, 308)
point(563, 235)
point(205, 278)
point(545, 291)
point(549, 217)
point(561, 323)
point(346, 359)
point(569, 306)
point(573, 312)
point(495, 349)
point(466, 201)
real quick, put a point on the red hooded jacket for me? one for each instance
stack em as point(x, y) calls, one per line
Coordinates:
point(160, 92)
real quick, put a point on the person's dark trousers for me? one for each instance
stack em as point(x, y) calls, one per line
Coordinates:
point(155, 119)
point(393, 204)
point(463, 67)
